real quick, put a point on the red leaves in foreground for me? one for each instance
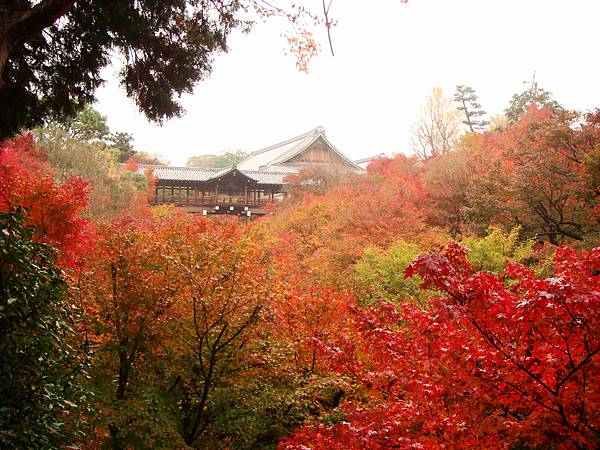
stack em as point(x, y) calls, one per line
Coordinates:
point(497, 362)
point(27, 180)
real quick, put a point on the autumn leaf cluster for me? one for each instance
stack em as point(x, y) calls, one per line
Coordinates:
point(445, 303)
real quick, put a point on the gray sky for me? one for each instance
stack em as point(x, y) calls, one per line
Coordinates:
point(388, 58)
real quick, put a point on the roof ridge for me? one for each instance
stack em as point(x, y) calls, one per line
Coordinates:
point(263, 171)
point(295, 150)
point(369, 158)
point(315, 131)
point(181, 167)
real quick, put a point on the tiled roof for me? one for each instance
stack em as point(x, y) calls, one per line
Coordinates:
point(265, 157)
point(266, 177)
point(181, 173)
point(207, 174)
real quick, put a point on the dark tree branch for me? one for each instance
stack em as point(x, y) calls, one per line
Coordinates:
point(328, 24)
point(16, 25)
point(34, 20)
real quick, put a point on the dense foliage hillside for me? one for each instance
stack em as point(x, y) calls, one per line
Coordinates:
point(447, 302)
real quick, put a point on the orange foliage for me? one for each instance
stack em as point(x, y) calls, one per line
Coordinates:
point(129, 286)
point(538, 173)
point(307, 321)
point(321, 238)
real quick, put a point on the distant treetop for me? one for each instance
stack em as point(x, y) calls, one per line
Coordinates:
point(218, 161)
point(534, 94)
point(468, 103)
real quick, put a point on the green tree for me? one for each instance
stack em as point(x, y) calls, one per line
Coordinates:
point(534, 94)
point(113, 189)
point(121, 142)
point(468, 103)
point(491, 252)
point(91, 127)
point(52, 51)
point(38, 365)
point(88, 125)
point(381, 273)
point(226, 159)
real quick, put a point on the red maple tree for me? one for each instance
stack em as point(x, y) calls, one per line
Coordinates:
point(28, 181)
point(496, 362)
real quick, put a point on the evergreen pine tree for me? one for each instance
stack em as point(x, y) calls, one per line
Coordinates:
point(468, 103)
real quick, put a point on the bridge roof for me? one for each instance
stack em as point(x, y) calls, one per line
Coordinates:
point(203, 174)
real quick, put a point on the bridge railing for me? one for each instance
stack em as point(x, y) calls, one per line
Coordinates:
point(211, 201)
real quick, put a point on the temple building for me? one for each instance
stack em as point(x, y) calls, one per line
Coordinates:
point(245, 189)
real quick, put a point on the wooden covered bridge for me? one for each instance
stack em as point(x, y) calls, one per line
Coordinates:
point(247, 188)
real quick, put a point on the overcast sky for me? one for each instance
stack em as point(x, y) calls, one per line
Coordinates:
point(388, 57)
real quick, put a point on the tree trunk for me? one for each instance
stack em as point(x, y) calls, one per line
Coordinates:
point(200, 417)
point(123, 376)
point(5, 25)
point(4, 51)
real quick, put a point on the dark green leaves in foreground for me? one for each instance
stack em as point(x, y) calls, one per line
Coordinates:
point(37, 364)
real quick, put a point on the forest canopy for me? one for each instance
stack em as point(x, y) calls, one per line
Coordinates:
point(430, 302)
point(447, 298)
